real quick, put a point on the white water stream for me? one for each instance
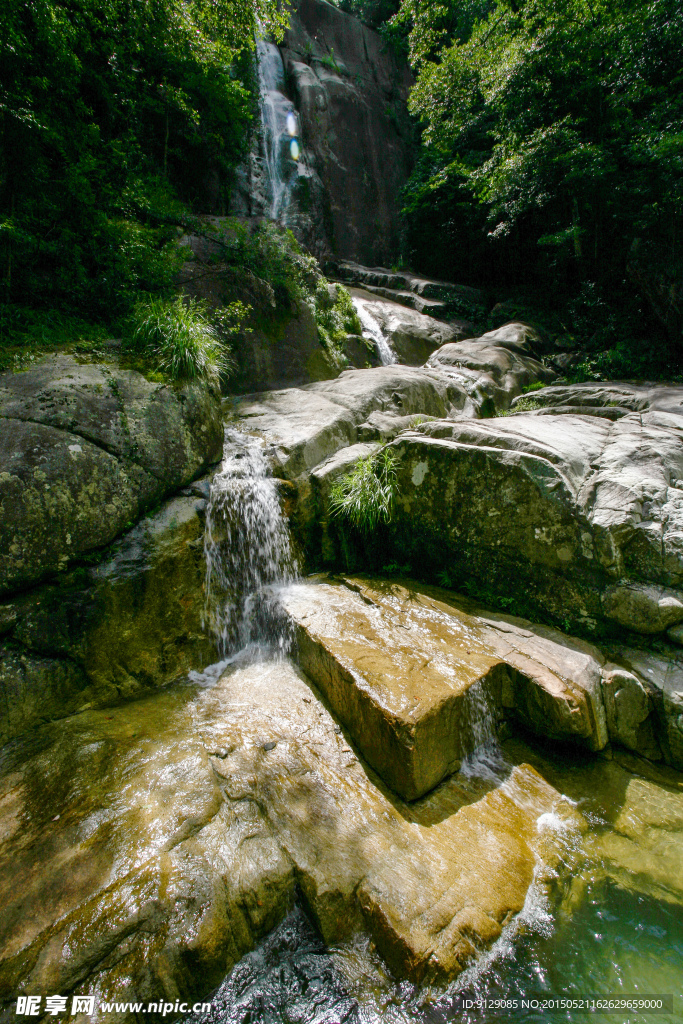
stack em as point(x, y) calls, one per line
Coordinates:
point(248, 555)
point(486, 760)
point(280, 131)
point(372, 329)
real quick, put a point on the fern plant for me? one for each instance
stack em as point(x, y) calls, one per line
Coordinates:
point(365, 496)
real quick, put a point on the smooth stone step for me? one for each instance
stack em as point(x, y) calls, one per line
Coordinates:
point(426, 287)
point(410, 670)
point(430, 307)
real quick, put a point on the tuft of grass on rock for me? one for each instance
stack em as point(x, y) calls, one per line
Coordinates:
point(365, 496)
point(182, 339)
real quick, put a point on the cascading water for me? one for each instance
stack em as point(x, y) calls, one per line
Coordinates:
point(486, 760)
point(247, 552)
point(372, 330)
point(280, 131)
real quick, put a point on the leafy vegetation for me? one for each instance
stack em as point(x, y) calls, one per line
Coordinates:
point(365, 496)
point(552, 158)
point(271, 254)
point(527, 403)
point(108, 108)
point(182, 339)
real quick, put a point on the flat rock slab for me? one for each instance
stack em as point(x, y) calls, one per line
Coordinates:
point(144, 849)
point(307, 425)
point(424, 286)
point(420, 676)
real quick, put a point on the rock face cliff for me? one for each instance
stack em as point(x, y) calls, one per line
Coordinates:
point(349, 92)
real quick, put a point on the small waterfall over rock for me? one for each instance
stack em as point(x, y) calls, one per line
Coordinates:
point(486, 760)
point(280, 131)
point(372, 329)
point(247, 552)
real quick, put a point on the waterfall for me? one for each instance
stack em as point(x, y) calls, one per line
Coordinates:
point(486, 760)
point(247, 552)
point(280, 131)
point(373, 330)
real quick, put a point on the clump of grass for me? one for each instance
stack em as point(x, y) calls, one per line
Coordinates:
point(181, 338)
point(365, 496)
point(536, 386)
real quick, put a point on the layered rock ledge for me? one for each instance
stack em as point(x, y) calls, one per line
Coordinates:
point(144, 849)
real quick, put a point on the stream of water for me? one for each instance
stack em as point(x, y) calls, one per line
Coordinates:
point(247, 552)
point(372, 329)
point(280, 131)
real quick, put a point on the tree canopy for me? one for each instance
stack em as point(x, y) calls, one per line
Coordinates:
point(552, 142)
point(116, 116)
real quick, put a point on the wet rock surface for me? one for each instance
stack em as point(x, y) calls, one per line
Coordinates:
point(420, 677)
point(146, 848)
point(411, 335)
point(85, 449)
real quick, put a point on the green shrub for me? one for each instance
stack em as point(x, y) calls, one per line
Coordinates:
point(272, 254)
point(365, 496)
point(180, 339)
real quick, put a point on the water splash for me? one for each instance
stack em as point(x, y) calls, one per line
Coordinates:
point(247, 551)
point(280, 125)
point(372, 329)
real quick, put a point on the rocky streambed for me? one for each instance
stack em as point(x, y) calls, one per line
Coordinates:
point(399, 788)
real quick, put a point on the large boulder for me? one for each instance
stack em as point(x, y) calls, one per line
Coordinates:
point(507, 357)
point(85, 449)
point(577, 515)
point(109, 632)
point(419, 677)
point(659, 677)
point(279, 344)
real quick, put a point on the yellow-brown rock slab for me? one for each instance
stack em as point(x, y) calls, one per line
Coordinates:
point(398, 661)
point(145, 848)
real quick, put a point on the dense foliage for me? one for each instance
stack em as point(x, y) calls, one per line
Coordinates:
point(117, 118)
point(553, 147)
